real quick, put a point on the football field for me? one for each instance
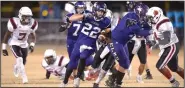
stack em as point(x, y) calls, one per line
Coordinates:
point(36, 74)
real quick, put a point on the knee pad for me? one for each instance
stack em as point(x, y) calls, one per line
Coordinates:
point(19, 60)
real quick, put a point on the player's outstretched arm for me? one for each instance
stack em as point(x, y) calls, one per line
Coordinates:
point(5, 40)
point(47, 74)
point(76, 17)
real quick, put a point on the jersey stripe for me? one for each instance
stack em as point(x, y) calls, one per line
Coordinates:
point(34, 25)
point(60, 62)
point(163, 21)
point(13, 23)
point(169, 56)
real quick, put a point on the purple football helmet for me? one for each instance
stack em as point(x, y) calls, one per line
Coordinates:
point(99, 6)
point(141, 11)
point(132, 4)
point(81, 5)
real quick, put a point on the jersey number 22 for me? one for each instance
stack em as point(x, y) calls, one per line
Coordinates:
point(87, 30)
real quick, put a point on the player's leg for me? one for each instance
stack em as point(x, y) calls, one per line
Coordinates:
point(16, 52)
point(173, 64)
point(112, 78)
point(106, 66)
point(120, 53)
point(142, 57)
point(148, 73)
point(19, 66)
point(72, 64)
point(84, 54)
point(131, 55)
point(24, 52)
point(97, 60)
point(163, 61)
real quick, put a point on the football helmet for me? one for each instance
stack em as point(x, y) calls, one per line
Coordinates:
point(80, 7)
point(25, 15)
point(154, 14)
point(50, 56)
point(99, 10)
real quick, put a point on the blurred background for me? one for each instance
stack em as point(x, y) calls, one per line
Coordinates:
point(51, 13)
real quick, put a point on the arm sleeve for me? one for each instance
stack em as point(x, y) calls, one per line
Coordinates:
point(10, 24)
point(108, 23)
point(34, 26)
point(68, 16)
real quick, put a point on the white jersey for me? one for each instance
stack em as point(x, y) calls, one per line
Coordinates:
point(164, 25)
point(58, 67)
point(20, 32)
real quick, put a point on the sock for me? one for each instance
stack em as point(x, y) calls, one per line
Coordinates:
point(101, 76)
point(81, 67)
point(68, 73)
point(172, 79)
point(119, 77)
point(148, 71)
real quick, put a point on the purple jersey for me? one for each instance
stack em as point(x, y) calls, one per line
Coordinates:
point(91, 29)
point(74, 29)
point(128, 26)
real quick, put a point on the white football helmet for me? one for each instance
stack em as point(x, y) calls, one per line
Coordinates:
point(25, 14)
point(50, 56)
point(154, 14)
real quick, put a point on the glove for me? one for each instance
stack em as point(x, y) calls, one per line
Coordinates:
point(31, 47)
point(63, 27)
point(88, 15)
point(5, 53)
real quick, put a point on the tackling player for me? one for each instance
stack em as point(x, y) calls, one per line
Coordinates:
point(137, 44)
point(127, 28)
point(167, 40)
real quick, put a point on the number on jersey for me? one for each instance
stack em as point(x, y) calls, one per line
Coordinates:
point(77, 29)
point(22, 36)
point(87, 30)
